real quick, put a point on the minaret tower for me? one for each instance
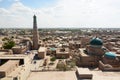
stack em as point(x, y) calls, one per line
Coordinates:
point(35, 34)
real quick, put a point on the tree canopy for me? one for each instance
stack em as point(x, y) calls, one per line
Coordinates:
point(9, 44)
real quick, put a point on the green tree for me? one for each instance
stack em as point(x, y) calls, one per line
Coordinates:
point(61, 65)
point(5, 38)
point(9, 44)
point(53, 59)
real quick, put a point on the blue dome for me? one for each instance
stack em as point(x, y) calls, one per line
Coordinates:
point(96, 41)
point(52, 49)
point(110, 55)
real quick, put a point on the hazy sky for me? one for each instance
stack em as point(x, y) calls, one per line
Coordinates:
point(60, 13)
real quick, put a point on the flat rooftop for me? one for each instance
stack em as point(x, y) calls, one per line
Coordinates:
point(58, 51)
point(83, 71)
point(8, 65)
point(62, 52)
point(82, 53)
point(42, 49)
point(70, 75)
point(15, 72)
point(61, 75)
point(3, 52)
point(12, 56)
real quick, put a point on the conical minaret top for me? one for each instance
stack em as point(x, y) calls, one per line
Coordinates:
point(35, 33)
point(34, 22)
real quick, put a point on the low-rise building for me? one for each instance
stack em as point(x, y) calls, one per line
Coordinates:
point(62, 53)
point(8, 67)
point(42, 52)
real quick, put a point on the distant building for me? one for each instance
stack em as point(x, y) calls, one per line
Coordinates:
point(74, 44)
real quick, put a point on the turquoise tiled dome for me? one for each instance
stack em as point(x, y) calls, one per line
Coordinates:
point(96, 41)
point(52, 49)
point(110, 55)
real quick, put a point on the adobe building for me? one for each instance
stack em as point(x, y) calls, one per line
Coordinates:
point(109, 62)
point(96, 55)
point(27, 42)
point(42, 52)
point(84, 73)
point(6, 52)
point(85, 41)
point(91, 55)
point(23, 46)
point(51, 51)
point(19, 49)
point(23, 59)
point(74, 44)
point(62, 53)
point(8, 67)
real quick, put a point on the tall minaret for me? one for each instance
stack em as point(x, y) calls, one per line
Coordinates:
point(35, 34)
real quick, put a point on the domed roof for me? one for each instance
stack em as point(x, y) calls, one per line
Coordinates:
point(52, 49)
point(110, 55)
point(96, 41)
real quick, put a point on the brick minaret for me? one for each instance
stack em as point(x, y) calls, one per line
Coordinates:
point(35, 34)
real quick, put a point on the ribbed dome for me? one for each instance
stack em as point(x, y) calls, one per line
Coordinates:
point(110, 55)
point(96, 42)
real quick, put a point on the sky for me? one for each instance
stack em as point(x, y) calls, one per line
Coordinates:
point(60, 13)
